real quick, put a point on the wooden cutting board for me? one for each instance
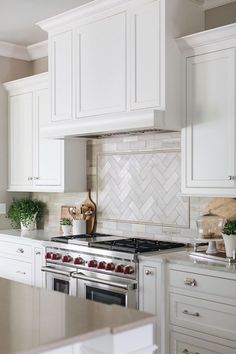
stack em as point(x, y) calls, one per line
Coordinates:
point(223, 207)
point(91, 220)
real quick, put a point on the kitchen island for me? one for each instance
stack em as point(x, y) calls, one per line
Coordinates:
point(34, 320)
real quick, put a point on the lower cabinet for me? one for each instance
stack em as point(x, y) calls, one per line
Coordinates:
point(202, 311)
point(151, 296)
point(183, 344)
point(21, 262)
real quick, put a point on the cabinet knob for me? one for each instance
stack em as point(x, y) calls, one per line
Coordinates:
point(148, 272)
point(190, 282)
point(230, 178)
point(20, 250)
point(186, 351)
point(30, 178)
point(194, 314)
point(37, 253)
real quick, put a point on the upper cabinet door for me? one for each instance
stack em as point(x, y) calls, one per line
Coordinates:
point(48, 152)
point(209, 135)
point(21, 141)
point(146, 55)
point(101, 66)
point(60, 61)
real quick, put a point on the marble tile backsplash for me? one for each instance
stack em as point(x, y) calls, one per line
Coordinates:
point(135, 182)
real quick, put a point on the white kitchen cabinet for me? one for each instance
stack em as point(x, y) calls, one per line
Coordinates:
point(36, 163)
point(208, 136)
point(202, 305)
point(115, 66)
point(151, 296)
point(60, 67)
point(101, 65)
point(21, 260)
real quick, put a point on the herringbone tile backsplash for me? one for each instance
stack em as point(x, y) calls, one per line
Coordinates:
point(135, 181)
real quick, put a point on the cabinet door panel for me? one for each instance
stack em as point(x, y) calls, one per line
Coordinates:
point(150, 286)
point(16, 270)
point(61, 76)
point(101, 66)
point(48, 157)
point(210, 126)
point(145, 86)
point(21, 140)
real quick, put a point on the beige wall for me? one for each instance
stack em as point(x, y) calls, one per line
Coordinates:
point(220, 16)
point(10, 69)
point(40, 65)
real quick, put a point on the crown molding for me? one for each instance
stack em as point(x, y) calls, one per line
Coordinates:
point(38, 50)
point(210, 4)
point(15, 51)
point(214, 39)
point(27, 53)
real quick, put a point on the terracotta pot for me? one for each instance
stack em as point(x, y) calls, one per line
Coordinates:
point(230, 244)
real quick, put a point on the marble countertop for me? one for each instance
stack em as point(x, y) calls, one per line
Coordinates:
point(184, 258)
point(32, 319)
point(37, 235)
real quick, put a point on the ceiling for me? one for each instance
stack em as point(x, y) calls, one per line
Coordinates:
point(18, 18)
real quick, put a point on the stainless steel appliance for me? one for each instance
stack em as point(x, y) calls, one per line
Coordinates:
point(102, 268)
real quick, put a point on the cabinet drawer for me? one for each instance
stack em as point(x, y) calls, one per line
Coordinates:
point(204, 316)
point(182, 344)
point(16, 250)
point(16, 270)
point(198, 283)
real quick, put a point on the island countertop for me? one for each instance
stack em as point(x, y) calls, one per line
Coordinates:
point(33, 319)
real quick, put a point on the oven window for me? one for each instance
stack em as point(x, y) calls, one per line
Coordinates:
point(105, 296)
point(61, 285)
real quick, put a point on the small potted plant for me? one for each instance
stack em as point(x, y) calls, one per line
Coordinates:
point(66, 225)
point(25, 213)
point(229, 236)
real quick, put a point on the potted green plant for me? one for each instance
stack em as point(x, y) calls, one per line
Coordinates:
point(229, 236)
point(66, 225)
point(25, 213)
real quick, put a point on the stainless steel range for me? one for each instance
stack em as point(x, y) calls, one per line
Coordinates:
point(98, 267)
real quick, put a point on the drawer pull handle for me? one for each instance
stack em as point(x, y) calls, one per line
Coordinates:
point(195, 314)
point(186, 351)
point(148, 272)
point(190, 282)
point(20, 250)
point(20, 272)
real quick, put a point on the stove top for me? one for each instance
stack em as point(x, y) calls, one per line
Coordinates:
point(135, 245)
point(117, 243)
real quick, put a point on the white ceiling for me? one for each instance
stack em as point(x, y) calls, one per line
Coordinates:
point(18, 18)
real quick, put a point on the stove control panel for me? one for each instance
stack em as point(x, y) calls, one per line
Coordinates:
point(96, 263)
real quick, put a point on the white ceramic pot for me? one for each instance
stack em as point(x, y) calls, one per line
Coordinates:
point(66, 229)
point(29, 225)
point(230, 244)
point(79, 227)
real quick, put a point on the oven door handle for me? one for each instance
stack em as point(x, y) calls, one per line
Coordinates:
point(130, 286)
point(55, 271)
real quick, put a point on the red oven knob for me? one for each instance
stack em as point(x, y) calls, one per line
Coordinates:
point(67, 259)
point(128, 269)
point(55, 256)
point(79, 260)
point(110, 266)
point(92, 263)
point(119, 268)
point(101, 265)
point(48, 255)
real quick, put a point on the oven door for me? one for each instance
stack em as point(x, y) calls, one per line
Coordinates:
point(59, 279)
point(107, 290)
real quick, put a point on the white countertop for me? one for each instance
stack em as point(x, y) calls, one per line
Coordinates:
point(32, 319)
point(37, 235)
